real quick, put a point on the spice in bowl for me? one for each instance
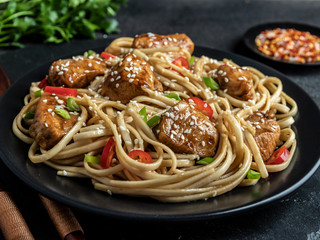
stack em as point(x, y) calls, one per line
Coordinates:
point(290, 45)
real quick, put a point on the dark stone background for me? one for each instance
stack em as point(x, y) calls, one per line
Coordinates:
point(219, 24)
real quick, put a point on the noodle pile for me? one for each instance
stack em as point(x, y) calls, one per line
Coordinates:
point(171, 177)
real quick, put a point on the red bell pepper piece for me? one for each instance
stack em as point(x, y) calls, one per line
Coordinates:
point(43, 83)
point(107, 55)
point(279, 156)
point(201, 106)
point(61, 91)
point(140, 156)
point(107, 153)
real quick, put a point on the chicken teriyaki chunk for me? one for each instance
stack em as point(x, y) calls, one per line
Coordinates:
point(48, 128)
point(126, 79)
point(151, 40)
point(185, 129)
point(267, 132)
point(236, 81)
point(77, 72)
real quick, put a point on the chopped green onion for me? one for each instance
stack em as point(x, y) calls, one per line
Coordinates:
point(62, 113)
point(154, 121)
point(143, 114)
point(205, 161)
point(37, 93)
point(91, 159)
point(72, 105)
point(211, 83)
point(191, 61)
point(91, 52)
point(28, 115)
point(172, 95)
point(253, 174)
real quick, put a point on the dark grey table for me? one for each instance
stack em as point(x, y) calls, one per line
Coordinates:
point(212, 23)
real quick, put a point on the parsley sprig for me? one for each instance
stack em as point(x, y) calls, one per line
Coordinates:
point(55, 21)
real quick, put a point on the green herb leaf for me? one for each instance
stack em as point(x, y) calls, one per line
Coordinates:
point(191, 61)
point(205, 161)
point(91, 52)
point(72, 105)
point(143, 114)
point(172, 95)
point(154, 121)
point(209, 82)
point(62, 113)
point(91, 159)
point(55, 21)
point(252, 174)
point(37, 93)
point(28, 115)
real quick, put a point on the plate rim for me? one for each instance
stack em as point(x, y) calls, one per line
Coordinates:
point(248, 38)
point(183, 217)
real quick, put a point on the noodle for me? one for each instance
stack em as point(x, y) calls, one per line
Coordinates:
point(170, 177)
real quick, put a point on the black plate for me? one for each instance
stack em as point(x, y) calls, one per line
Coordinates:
point(79, 193)
point(251, 34)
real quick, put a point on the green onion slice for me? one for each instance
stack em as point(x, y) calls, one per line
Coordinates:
point(37, 93)
point(62, 113)
point(253, 174)
point(205, 161)
point(91, 159)
point(143, 114)
point(209, 82)
point(91, 52)
point(154, 121)
point(172, 95)
point(28, 115)
point(72, 105)
point(191, 61)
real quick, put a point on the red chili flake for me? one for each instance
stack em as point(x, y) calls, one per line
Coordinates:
point(289, 45)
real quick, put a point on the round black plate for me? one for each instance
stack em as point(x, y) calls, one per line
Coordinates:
point(251, 34)
point(79, 193)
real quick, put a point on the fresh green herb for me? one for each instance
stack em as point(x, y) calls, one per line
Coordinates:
point(37, 93)
point(28, 115)
point(72, 105)
point(172, 95)
point(62, 113)
point(191, 61)
point(205, 161)
point(91, 52)
point(55, 21)
point(143, 114)
point(154, 121)
point(209, 82)
point(91, 159)
point(253, 174)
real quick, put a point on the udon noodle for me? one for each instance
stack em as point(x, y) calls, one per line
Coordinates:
point(171, 177)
